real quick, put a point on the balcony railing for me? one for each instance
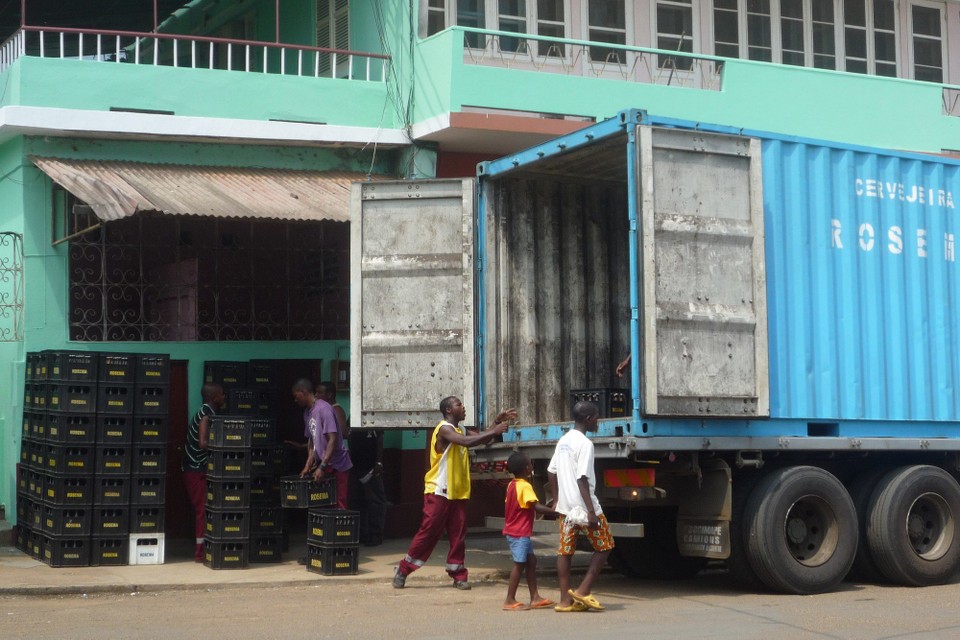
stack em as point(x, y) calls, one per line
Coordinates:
point(193, 52)
point(592, 59)
point(951, 101)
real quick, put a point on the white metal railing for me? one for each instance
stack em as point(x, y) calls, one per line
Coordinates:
point(592, 59)
point(193, 52)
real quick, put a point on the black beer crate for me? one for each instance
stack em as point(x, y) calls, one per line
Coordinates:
point(111, 490)
point(24, 509)
point(265, 490)
point(262, 374)
point(150, 429)
point(35, 516)
point(62, 551)
point(153, 369)
point(231, 554)
point(227, 374)
point(65, 490)
point(227, 524)
point(39, 454)
point(225, 464)
point(332, 560)
point(118, 368)
point(114, 429)
point(109, 551)
point(115, 398)
point(151, 400)
point(333, 526)
point(37, 485)
point(32, 368)
point(35, 544)
point(266, 402)
point(40, 367)
point(111, 521)
point(69, 458)
point(228, 494)
point(266, 519)
point(76, 366)
point(266, 461)
point(147, 490)
point(149, 460)
point(23, 479)
point(242, 402)
point(266, 548)
point(70, 428)
point(29, 395)
point(71, 397)
point(303, 493)
point(113, 460)
point(38, 426)
point(21, 537)
point(613, 403)
point(149, 519)
point(230, 432)
point(67, 521)
point(263, 432)
point(26, 430)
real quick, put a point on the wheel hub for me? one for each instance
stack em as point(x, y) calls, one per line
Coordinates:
point(810, 531)
point(927, 524)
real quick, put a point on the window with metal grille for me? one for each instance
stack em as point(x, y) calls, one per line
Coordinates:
point(154, 277)
point(333, 31)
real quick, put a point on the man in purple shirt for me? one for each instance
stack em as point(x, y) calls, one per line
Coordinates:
point(326, 453)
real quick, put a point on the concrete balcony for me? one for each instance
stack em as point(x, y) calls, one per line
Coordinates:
point(206, 79)
point(519, 82)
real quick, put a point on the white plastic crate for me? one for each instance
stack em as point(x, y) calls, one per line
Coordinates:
point(146, 548)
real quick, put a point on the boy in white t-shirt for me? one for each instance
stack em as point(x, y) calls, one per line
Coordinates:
point(572, 483)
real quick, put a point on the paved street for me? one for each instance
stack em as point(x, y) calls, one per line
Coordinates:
point(705, 607)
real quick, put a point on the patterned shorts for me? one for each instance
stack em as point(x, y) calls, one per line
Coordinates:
point(600, 538)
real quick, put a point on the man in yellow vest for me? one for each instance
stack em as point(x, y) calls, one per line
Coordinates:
point(446, 491)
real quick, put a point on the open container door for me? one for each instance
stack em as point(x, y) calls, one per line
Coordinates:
point(412, 296)
point(704, 319)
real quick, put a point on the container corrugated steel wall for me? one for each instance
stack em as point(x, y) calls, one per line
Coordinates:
point(863, 296)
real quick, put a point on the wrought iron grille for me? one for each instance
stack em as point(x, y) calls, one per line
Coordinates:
point(156, 277)
point(11, 286)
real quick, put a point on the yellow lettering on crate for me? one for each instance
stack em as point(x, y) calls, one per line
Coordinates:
point(231, 467)
point(151, 433)
point(110, 525)
point(111, 554)
point(76, 463)
point(264, 553)
point(71, 556)
point(151, 404)
point(148, 525)
point(232, 498)
point(79, 402)
point(208, 557)
point(315, 563)
point(344, 534)
point(317, 531)
point(73, 525)
point(342, 565)
point(154, 374)
point(320, 495)
point(78, 432)
point(119, 374)
point(148, 494)
point(80, 371)
point(114, 434)
point(149, 463)
point(54, 431)
point(209, 526)
point(231, 558)
point(231, 528)
point(115, 403)
point(49, 522)
point(111, 494)
point(76, 494)
point(113, 464)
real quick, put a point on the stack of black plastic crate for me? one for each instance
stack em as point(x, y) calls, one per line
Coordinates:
point(244, 522)
point(93, 457)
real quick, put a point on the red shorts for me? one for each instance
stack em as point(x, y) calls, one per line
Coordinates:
point(600, 538)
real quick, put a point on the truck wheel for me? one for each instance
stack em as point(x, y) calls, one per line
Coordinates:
point(738, 564)
point(861, 490)
point(801, 530)
point(912, 530)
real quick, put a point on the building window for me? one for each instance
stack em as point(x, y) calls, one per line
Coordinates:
point(870, 36)
point(551, 21)
point(158, 278)
point(607, 22)
point(792, 40)
point(823, 34)
point(726, 29)
point(333, 24)
point(926, 28)
point(675, 32)
point(759, 33)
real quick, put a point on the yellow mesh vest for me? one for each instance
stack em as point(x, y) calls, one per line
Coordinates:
point(449, 474)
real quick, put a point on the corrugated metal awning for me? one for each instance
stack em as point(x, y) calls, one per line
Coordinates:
point(116, 189)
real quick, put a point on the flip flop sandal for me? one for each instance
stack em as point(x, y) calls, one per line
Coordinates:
point(588, 601)
point(542, 604)
point(575, 607)
point(516, 606)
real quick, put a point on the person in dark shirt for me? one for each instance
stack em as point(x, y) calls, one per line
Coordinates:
point(195, 458)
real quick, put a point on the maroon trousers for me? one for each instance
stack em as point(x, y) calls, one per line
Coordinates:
point(439, 515)
point(197, 490)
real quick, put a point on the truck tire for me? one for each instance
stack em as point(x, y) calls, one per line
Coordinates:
point(912, 531)
point(738, 564)
point(801, 530)
point(861, 490)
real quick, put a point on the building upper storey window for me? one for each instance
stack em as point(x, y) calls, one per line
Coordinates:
point(905, 38)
